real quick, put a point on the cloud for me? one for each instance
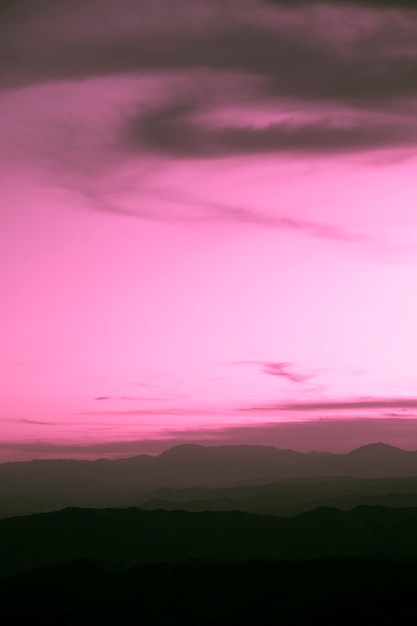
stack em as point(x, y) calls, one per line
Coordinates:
point(240, 51)
point(183, 207)
point(313, 51)
point(135, 398)
point(374, 4)
point(28, 421)
point(281, 370)
point(335, 78)
point(331, 435)
point(339, 405)
point(321, 230)
point(170, 129)
point(278, 369)
point(47, 449)
point(161, 411)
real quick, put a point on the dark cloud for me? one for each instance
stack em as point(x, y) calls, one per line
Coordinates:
point(170, 129)
point(349, 76)
point(373, 4)
point(352, 75)
point(301, 58)
point(352, 404)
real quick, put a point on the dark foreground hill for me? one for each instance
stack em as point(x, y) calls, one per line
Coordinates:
point(133, 536)
point(36, 486)
point(322, 591)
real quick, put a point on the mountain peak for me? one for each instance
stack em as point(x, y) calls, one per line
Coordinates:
point(377, 449)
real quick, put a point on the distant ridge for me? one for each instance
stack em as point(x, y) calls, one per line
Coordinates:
point(194, 451)
point(379, 448)
point(28, 487)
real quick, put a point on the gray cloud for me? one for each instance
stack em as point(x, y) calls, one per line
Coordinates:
point(373, 4)
point(351, 69)
point(230, 52)
point(170, 129)
point(297, 57)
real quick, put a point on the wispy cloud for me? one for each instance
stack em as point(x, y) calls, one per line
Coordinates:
point(278, 369)
point(179, 411)
point(24, 420)
point(134, 398)
point(193, 209)
point(185, 208)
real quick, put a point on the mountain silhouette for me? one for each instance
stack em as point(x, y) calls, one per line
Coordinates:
point(132, 536)
point(35, 486)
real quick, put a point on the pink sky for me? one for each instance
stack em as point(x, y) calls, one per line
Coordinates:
point(208, 220)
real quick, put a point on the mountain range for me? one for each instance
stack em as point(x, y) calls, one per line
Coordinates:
point(133, 536)
point(42, 485)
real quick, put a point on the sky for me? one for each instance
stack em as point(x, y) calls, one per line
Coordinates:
point(208, 224)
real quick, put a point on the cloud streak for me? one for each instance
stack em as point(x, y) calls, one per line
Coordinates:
point(339, 405)
point(27, 421)
point(335, 435)
point(135, 398)
point(379, 5)
point(278, 369)
point(189, 209)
